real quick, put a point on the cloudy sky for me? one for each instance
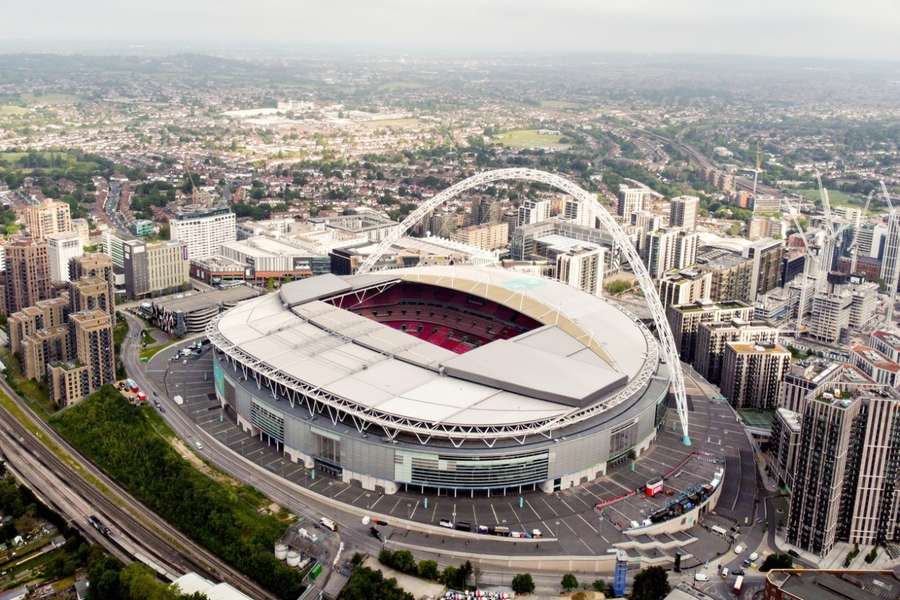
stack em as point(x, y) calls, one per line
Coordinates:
point(807, 28)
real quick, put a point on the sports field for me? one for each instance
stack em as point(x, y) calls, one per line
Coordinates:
point(530, 138)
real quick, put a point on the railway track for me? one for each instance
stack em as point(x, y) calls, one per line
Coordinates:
point(122, 511)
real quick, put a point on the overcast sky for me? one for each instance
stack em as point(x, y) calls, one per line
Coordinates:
point(806, 28)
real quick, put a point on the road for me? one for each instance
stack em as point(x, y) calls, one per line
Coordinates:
point(130, 519)
point(352, 532)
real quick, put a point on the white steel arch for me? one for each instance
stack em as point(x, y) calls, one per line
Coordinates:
point(669, 350)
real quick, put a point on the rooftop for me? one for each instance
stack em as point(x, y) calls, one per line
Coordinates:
point(836, 585)
point(198, 301)
point(585, 351)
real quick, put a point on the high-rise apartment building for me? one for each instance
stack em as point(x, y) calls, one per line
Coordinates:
point(871, 239)
point(875, 364)
point(27, 275)
point(154, 268)
point(891, 258)
point(713, 337)
point(685, 321)
point(683, 212)
point(203, 230)
point(533, 211)
point(830, 316)
point(47, 218)
point(91, 293)
point(685, 286)
point(91, 363)
point(489, 236)
point(61, 249)
point(886, 342)
point(669, 249)
point(806, 379)
point(846, 474)
point(766, 256)
point(43, 315)
point(43, 347)
point(581, 213)
point(582, 268)
point(752, 374)
point(732, 274)
point(785, 441)
point(630, 201)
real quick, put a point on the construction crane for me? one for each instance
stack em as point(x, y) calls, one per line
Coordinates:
point(757, 170)
point(807, 263)
point(893, 227)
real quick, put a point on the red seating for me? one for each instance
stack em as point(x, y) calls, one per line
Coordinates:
point(448, 318)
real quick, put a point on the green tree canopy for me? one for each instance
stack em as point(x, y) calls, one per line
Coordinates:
point(651, 583)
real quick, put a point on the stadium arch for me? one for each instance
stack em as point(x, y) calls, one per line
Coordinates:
point(582, 196)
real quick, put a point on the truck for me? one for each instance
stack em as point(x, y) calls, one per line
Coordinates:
point(738, 584)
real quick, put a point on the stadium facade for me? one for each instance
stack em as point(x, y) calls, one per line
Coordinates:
point(455, 379)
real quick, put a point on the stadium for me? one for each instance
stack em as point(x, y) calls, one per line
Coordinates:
point(442, 379)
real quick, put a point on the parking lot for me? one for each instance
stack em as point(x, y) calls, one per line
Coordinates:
point(569, 521)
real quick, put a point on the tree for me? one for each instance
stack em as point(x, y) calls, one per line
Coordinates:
point(777, 561)
point(365, 584)
point(523, 583)
point(568, 582)
point(599, 586)
point(651, 583)
point(428, 569)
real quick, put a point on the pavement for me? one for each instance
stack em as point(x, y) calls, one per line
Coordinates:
point(569, 520)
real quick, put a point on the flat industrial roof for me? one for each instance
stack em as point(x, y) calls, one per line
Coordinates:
point(190, 302)
point(586, 350)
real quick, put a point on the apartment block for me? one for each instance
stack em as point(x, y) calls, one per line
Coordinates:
point(155, 268)
point(785, 442)
point(713, 337)
point(43, 315)
point(27, 275)
point(805, 379)
point(631, 200)
point(489, 236)
point(752, 374)
point(203, 230)
point(846, 476)
point(685, 321)
point(43, 347)
point(875, 364)
point(47, 218)
point(582, 268)
point(95, 265)
point(684, 286)
point(887, 343)
point(91, 293)
point(732, 274)
point(61, 249)
point(669, 249)
point(683, 212)
point(533, 211)
point(830, 316)
point(91, 361)
point(891, 256)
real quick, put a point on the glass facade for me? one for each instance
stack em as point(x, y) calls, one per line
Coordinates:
point(490, 472)
point(270, 423)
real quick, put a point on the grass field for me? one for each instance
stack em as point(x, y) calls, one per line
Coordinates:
point(838, 198)
point(11, 110)
point(393, 123)
point(49, 99)
point(529, 138)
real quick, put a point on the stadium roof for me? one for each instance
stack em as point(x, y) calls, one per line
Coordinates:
point(585, 352)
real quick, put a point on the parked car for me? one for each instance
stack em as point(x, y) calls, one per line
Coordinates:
point(701, 577)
